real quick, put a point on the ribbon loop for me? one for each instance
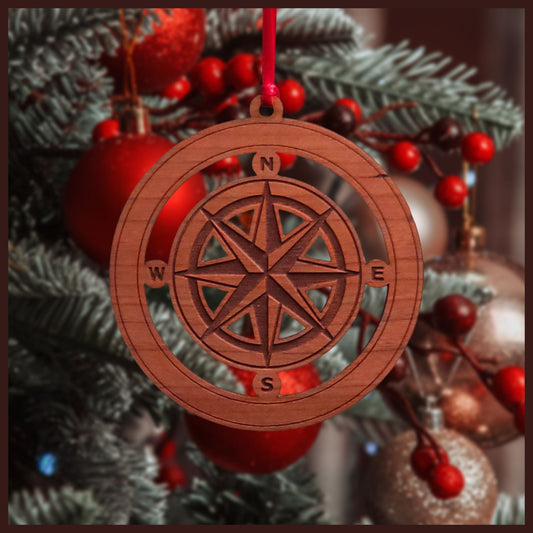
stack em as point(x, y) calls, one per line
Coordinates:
point(269, 88)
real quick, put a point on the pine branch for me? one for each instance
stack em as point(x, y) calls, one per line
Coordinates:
point(228, 29)
point(63, 506)
point(378, 77)
point(46, 42)
point(221, 497)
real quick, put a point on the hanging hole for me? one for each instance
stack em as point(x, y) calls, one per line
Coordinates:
point(266, 111)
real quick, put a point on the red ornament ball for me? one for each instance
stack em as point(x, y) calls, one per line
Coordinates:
point(451, 191)
point(477, 147)
point(352, 105)
point(520, 417)
point(105, 129)
point(509, 386)
point(177, 90)
point(446, 481)
point(292, 96)
point(404, 156)
point(227, 166)
point(454, 315)
point(424, 458)
point(241, 72)
point(257, 452)
point(102, 181)
point(286, 160)
point(208, 76)
point(167, 53)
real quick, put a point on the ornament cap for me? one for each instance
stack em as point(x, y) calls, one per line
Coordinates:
point(431, 417)
point(133, 117)
point(471, 239)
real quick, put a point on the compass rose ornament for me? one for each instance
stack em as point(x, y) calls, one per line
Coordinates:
point(266, 273)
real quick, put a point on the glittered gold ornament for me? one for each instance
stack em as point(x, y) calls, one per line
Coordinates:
point(428, 214)
point(397, 496)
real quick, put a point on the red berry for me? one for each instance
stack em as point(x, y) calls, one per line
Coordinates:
point(446, 481)
point(241, 72)
point(520, 417)
point(177, 90)
point(286, 160)
point(477, 147)
point(424, 458)
point(292, 96)
point(352, 105)
point(398, 371)
point(230, 100)
point(509, 385)
point(172, 475)
point(446, 357)
point(451, 191)
point(105, 129)
point(454, 315)
point(208, 76)
point(228, 165)
point(404, 156)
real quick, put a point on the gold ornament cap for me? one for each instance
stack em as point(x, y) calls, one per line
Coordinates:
point(133, 116)
point(471, 239)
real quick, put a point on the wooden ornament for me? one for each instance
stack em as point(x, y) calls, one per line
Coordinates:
point(265, 272)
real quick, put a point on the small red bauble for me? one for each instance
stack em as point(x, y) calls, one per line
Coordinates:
point(286, 160)
point(454, 315)
point(241, 72)
point(446, 481)
point(257, 452)
point(167, 53)
point(228, 165)
point(424, 458)
point(167, 449)
point(105, 129)
point(171, 475)
point(208, 76)
point(399, 370)
point(177, 90)
point(102, 181)
point(520, 417)
point(509, 385)
point(477, 147)
point(292, 96)
point(352, 105)
point(451, 191)
point(404, 156)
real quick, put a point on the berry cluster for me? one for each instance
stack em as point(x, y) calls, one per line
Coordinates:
point(455, 316)
point(431, 464)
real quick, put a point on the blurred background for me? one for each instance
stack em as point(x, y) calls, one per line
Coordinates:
point(493, 41)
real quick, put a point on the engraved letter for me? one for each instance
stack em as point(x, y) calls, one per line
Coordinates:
point(267, 162)
point(157, 272)
point(377, 273)
point(267, 384)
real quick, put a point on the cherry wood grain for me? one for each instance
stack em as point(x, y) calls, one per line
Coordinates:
point(265, 272)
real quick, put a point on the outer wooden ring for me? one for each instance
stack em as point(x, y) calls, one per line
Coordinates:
point(235, 138)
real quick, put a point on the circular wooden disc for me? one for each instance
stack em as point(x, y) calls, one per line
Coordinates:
point(264, 285)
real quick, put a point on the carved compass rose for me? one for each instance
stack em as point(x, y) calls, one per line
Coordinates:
point(265, 274)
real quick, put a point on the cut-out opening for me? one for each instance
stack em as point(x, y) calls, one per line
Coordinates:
point(295, 327)
point(289, 221)
point(243, 221)
point(266, 111)
point(318, 250)
point(243, 327)
point(213, 296)
point(319, 297)
point(213, 250)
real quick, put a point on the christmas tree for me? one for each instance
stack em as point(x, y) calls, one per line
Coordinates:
point(96, 97)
